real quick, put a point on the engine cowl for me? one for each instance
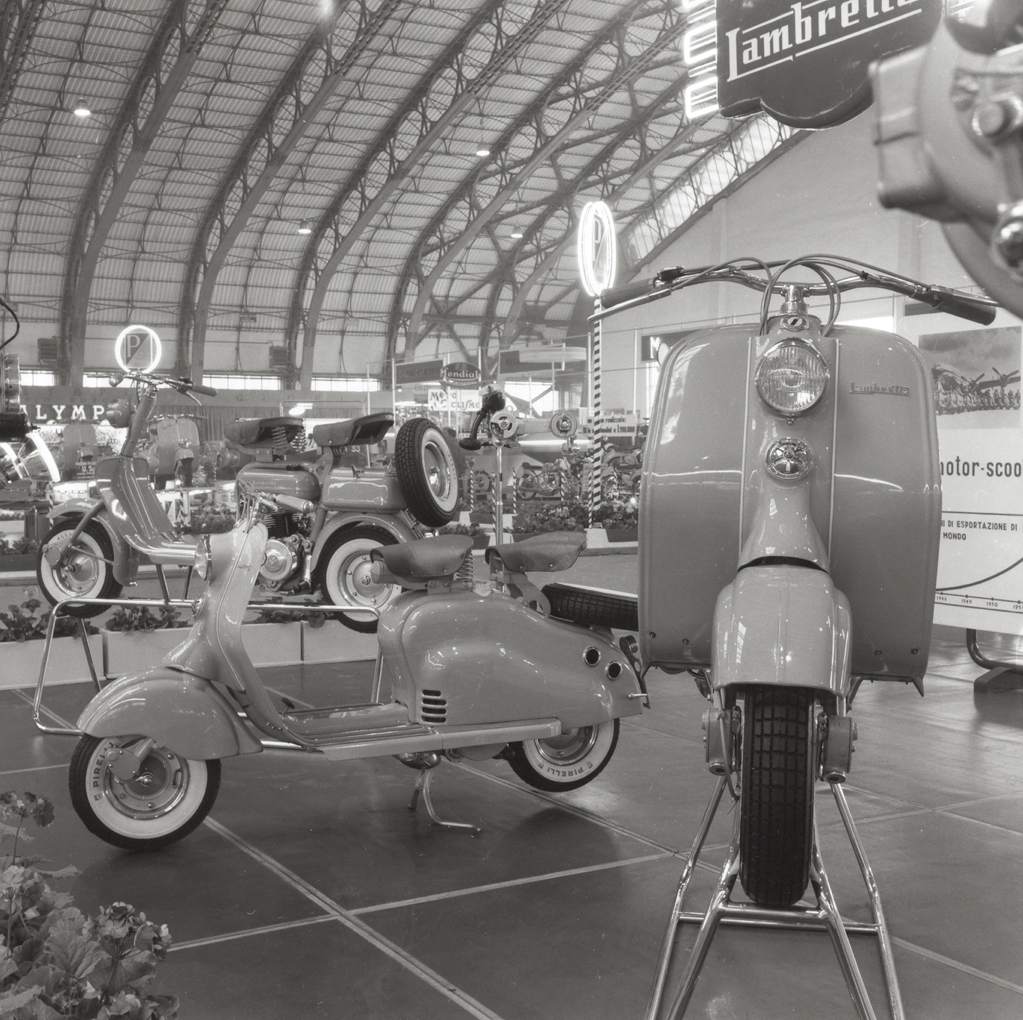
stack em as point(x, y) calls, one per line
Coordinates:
point(278, 480)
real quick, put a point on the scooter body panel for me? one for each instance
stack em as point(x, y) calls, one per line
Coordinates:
point(467, 658)
point(868, 511)
point(294, 480)
point(372, 490)
point(186, 715)
point(126, 558)
point(399, 524)
point(782, 625)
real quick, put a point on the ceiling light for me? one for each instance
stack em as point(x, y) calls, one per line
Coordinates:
point(482, 151)
point(516, 234)
point(81, 109)
point(304, 228)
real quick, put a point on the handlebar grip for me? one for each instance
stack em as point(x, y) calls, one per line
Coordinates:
point(617, 295)
point(207, 391)
point(966, 306)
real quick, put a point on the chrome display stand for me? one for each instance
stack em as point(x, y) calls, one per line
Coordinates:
point(825, 916)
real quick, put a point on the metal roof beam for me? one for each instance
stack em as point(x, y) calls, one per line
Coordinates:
point(18, 21)
point(416, 127)
point(161, 76)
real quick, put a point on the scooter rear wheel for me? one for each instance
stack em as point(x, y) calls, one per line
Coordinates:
point(86, 572)
point(567, 761)
point(343, 575)
point(165, 801)
point(779, 763)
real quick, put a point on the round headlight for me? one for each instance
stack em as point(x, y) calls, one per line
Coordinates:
point(202, 561)
point(791, 377)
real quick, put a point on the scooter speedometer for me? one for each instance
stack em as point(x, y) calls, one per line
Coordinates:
point(791, 377)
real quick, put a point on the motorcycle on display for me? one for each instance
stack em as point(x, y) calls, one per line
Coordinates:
point(789, 526)
point(143, 774)
point(94, 548)
point(171, 449)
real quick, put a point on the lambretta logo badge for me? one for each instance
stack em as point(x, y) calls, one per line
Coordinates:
point(889, 390)
point(808, 27)
point(807, 62)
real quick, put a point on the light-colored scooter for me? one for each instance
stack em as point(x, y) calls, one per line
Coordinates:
point(460, 674)
point(789, 526)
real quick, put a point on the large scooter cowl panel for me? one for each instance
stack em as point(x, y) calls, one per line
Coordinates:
point(465, 658)
point(373, 489)
point(873, 493)
point(295, 481)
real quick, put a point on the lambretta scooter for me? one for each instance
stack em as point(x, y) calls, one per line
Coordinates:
point(94, 547)
point(789, 528)
point(460, 674)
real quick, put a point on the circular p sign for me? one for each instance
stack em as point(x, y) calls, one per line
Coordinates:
point(137, 349)
point(597, 248)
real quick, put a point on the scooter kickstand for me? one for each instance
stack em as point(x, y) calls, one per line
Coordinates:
point(423, 788)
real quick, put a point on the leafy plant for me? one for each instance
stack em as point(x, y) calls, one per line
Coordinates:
point(142, 618)
point(471, 530)
point(22, 546)
point(545, 517)
point(618, 513)
point(54, 961)
point(24, 622)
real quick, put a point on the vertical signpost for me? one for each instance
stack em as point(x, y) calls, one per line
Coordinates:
point(597, 251)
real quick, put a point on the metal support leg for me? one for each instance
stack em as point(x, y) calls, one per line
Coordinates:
point(423, 789)
point(825, 916)
point(1000, 676)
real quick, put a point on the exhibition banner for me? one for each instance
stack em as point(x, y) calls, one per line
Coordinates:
point(976, 376)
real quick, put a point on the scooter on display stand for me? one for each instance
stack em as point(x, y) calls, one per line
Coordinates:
point(789, 527)
point(532, 677)
point(95, 546)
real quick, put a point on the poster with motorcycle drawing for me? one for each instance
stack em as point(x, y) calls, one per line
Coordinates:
point(976, 376)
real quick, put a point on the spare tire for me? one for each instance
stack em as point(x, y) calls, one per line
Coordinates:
point(593, 607)
point(427, 472)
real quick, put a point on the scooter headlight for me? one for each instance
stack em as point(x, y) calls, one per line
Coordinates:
point(791, 377)
point(202, 561)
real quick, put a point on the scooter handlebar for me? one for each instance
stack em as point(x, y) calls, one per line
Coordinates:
point(966, 306)
point(206, 391)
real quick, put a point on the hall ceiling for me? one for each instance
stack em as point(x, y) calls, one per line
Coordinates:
point(220, 127)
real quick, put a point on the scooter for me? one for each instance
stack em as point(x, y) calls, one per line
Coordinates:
point(461, 674)
point(94, 548)
point(791, 481)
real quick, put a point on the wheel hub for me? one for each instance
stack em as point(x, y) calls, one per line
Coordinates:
point(153, 791)
point(569, 746)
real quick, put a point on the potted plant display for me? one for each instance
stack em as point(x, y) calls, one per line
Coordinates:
point(22, 629)
point(620, 520)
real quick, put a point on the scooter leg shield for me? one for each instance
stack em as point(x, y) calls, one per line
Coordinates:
point(784, 625)
point(180, 712)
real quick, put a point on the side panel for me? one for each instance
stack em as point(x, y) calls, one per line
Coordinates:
point(278, 480)
point(887, 502)
point(782, 625)
point(372, 490)
point(182, 713)
point(689, 509)
point(488, 659)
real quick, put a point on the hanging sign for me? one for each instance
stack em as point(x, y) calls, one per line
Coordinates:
point(137, 349)
point(597, 248)
point(460, 375)
point(807, 63)
point(976, 377)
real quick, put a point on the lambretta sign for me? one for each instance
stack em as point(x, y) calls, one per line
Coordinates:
point(806, 63)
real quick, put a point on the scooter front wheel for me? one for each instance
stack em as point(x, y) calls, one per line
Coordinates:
point(166, 799)
point(567, 761)
point(84, 571)
point(779, 764)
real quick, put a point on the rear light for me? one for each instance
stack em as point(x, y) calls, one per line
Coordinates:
point(791, 377)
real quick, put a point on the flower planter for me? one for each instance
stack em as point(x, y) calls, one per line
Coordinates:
point(20, 661)
point(267, 644)
point(481, 541)
point(17, 561)
point(622, 534)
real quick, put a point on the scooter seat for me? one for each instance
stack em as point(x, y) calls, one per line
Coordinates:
point(426, 559)
point(370, 428)
point(557, 550)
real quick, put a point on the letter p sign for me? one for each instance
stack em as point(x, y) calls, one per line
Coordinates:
point(137, 349)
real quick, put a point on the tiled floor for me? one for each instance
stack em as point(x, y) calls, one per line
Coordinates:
point(313, 892)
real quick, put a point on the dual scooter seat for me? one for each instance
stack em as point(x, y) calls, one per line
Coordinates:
point(438, 559)
point(263, 437)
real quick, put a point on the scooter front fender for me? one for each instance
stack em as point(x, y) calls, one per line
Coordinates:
point(782, 625)
point(126, 560)
point(180, 712)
